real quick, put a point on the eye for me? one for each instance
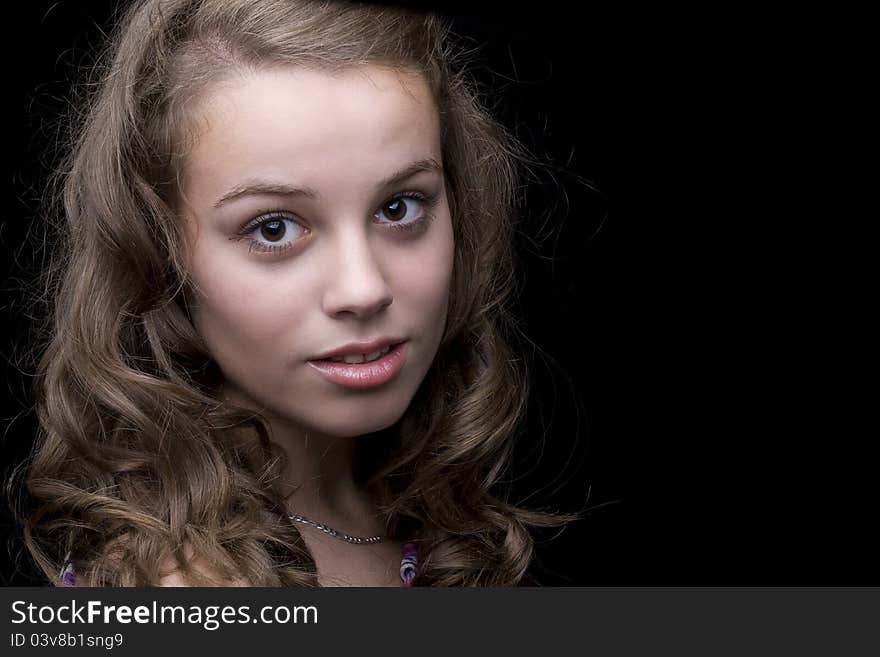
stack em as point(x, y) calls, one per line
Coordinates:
point(408, 210)
point(271, 232)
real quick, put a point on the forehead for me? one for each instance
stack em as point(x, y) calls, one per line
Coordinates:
point(295, 122)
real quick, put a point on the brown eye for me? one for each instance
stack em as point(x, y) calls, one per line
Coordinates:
point(270, 233)
point(273, 230)
point(396, 209)
point(407, 211)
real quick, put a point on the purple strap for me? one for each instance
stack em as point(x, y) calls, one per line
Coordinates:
point(408, 564)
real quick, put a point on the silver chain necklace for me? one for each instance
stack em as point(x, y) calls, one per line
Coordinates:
point(342, 536)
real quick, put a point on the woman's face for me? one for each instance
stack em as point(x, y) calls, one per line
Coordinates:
point(311, 156)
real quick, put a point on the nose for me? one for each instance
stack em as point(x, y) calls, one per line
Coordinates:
point(358, 286)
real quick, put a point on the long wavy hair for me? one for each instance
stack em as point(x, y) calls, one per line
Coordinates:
point(136, 459)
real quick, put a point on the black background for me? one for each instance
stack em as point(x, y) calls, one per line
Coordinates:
point(704, 306)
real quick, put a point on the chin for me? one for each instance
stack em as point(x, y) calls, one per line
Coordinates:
point(357, 425)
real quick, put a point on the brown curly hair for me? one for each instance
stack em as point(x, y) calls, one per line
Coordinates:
point(122, 368)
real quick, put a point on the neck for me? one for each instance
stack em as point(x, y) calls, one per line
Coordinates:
point(318, 480)
point(318, 483)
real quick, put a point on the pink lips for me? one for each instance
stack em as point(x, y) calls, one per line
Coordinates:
point(364, 375)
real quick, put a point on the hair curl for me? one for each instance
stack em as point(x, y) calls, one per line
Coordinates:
point(136, 458)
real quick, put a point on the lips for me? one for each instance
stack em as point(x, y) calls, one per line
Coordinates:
point(359, 348)
point(364, 375)
point(361, 358)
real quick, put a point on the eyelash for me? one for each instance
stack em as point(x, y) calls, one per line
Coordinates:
point(268, 216)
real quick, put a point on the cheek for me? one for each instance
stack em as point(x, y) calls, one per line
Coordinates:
point(423, 277)
point(236, 312)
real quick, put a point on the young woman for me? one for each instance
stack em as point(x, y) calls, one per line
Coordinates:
point(280, 352)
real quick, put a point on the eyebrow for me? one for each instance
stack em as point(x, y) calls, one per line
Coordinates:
point(281, 189)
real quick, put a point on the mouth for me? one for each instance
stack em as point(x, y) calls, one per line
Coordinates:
point(363, 373)
point(360, 359)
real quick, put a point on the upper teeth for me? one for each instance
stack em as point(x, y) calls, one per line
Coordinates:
point(362, 358)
